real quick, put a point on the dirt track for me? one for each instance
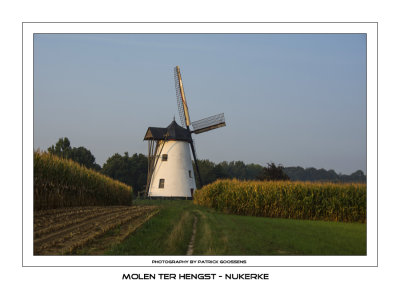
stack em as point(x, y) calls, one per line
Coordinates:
point(60, 231)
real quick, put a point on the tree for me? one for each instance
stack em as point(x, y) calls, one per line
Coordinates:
point(139, 167)
point(252, 171)
point(80, 155)
point(62, 148)
point(129, 170)
point(219, 172)
point(84, 157)
point(210, 171)
point(272, 173)
point(206, 168)
point(322, 175)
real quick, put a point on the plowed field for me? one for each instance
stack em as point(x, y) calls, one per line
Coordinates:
point(60, 231)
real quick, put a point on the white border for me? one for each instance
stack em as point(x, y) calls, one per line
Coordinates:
point(369, 28)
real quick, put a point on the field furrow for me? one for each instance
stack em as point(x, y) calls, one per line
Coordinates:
point(45, 225)
point(64, 234)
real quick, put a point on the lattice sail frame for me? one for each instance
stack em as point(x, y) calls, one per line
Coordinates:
point(180, 98)
point(199, 126)
point(209, 123)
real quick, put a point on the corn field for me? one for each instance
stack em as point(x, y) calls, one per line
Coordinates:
point(62, 183)
point(286, 199)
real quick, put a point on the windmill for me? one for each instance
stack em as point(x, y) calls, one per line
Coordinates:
point(170, 170)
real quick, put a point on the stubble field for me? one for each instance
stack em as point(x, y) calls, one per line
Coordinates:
point(61, 231)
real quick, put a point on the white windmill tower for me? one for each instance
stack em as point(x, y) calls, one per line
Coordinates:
point(170, 169)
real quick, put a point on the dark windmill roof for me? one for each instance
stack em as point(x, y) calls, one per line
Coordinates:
point(171, 132)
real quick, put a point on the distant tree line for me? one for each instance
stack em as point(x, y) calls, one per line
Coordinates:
point(211, 171)
point(132, 170)
point(80, 155)
point(321, 175)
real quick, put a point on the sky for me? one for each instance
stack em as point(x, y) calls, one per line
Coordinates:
point(292, 99)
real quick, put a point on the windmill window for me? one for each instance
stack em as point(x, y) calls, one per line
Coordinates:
point(190, 174)
point(161, 183)
point(164, 157)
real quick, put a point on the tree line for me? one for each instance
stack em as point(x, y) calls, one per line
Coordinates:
point(132, 170)
point(322, 175)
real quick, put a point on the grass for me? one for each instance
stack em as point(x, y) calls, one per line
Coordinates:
point(221, 234)
point(169, 233)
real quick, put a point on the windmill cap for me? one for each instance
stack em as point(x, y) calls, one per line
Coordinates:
point(172, 132)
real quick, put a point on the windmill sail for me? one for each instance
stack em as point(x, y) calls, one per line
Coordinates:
point(209, 123)
point(181, 99)
point(199, 126)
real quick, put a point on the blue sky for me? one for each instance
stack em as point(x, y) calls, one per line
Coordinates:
point(294, 99)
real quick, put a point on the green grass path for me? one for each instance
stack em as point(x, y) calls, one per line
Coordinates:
point(169, 233)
